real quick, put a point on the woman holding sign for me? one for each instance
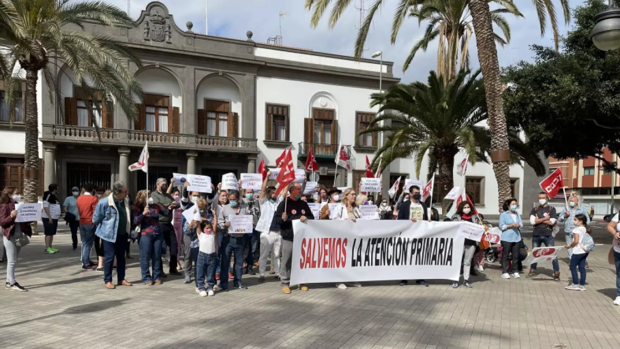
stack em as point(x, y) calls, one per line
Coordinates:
point(464, 213)
point(347, 210)
point(14, 236)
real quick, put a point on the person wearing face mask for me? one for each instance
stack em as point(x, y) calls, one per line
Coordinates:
point(251, 240)
point(270, 238)
point(464, 213)
point(222, 200)
point(177, 222)
point(99, 192)
point(385, 210)
point(161, 197)
point(510, 223)
point(568, 217)
point(146, 217)
point(413, 210)
point(335, 196)
point(86, 205)
point(72, 216)
point(544, 217)
point(50, 216)
point(232, 243)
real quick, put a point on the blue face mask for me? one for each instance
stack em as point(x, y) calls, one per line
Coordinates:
point(249, 196)
point(233, 204)
point(571, 204)
point(513, 208)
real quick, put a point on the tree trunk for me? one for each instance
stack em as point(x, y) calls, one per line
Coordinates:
point(445, 179)
point(487, 56)
point(31, 156)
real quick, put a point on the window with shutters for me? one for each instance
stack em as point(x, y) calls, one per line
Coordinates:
point(363, 121)
point(514, 187)
point(474, 187)
point(321, 132)
point(5, 105)
point(13, 174)
point(277, 121)
point(83, 111)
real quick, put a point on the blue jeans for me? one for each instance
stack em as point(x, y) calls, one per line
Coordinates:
point(87, 234)
point(617, 260)
point(205, 267)
point(49, 229)
point(111, 250)
point(578, 260)
point(537, 241)
point(150, 252)
point(231, 245)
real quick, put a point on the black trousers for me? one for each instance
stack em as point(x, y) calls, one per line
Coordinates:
point(74, 226)
point(171, 242)
point(507, 249)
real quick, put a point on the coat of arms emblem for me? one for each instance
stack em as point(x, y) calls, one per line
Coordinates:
point(157, 30)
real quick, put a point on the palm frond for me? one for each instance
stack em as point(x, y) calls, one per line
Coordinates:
point(362, 34)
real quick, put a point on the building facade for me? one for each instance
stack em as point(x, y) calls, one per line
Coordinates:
point(215, 105)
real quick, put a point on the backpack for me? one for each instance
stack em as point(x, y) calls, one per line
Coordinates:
point(587, 243)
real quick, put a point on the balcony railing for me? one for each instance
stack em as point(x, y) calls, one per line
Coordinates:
point(318, 149)
point(75, 134)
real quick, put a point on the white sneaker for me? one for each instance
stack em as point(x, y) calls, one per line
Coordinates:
point(211, 293)
point(582, 288)
point(341, 286)
point(516, 275)
point(480, 268)
point(574, 288)
point(202, 293)
point(217, 288)
point(617, 301)
point(505, 276)
point(569, 286)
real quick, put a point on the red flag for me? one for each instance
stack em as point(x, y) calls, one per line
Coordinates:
point(369, 173)
point(261, 168)
point(427, 190)
point(378, 173)
point(552, 184)
point(311, 164)
point(280, 160)
point(473, 208)
point(286, 175)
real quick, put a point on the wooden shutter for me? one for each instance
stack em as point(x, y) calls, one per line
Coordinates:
point(358, 129)
point(71, 111)
point(108, 112)
point(14, 176)
point(140, 124)
point(269, 125)
point(308, 131)
point(233, 125)
point(334, 130)
point(287, 123)
point(173, 120)
point(202, 122)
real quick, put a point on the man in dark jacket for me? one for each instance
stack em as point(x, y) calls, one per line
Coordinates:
point(413, 210)
point(296, 209)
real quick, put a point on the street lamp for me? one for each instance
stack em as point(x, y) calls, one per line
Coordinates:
point(382, 137)
point(606, 33)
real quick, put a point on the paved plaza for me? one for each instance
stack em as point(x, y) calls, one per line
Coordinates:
point(67, 308)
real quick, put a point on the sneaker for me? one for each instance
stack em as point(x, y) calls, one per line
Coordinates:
point(99, 269)
point(422, 282)
point(617, 301)
point(574, 288)
point(148, 283)
point(241, 286)
point(7, 285)
point(49, 250)
point(303, 287)
point(211, 293)
point(455, 285)
point(468, 284)
point(158, 282)
point(188, 280)
point(202, 293)
point(480, 268)
point(516, 275)
point(86, 267)
point(17, 287)
point(505, 276)
point(286, 290)
point(261, 279)
point(341, 286)
point(569, 286)
point(582, 288)
point(55, 249)
point(217, 288)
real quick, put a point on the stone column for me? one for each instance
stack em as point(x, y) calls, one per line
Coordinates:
point(191, 162)
point(123, 165)
point(251, 164)
point(49, 158)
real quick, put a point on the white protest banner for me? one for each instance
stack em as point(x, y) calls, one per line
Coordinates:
point(310, 188)
point(471, 231)
point(453, 193)
point(542, 254)
point(274, 173)
point(316, 210)
point(28, 213)
point(347, 251)
point(369, 212)
point(192, 214)
point(371, 185)
point(332, 208)
point(253, 181)
point(201, 184)
point(493, 236)
point(300, 175)
point(411, 182)
point(229, 181)
point(179, 179)
point(241, 224)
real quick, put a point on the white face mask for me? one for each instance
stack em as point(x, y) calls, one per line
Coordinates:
point(542, 201)
point(98, 196)
point(369, 202)
point(195, 199)
point(76, 193)
point(466, 210)
point(384, 204)
point(16, 198)
point(150, 201)
point(336, 197)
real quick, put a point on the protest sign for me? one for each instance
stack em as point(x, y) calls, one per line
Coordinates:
point(316, 209)
point(347, 251)
point(192, 214)
point(253, 181)
point(332, 208)
point(310, 188)
point(28, 213)
point(274, 173)
point(471, 231)
point(179, 179)
point(542, 254)
point(229, 181)
point(371, 185)
point(241, 224)
point(201, 184)
point(300, 175)
point(411, 182)
point(369, 212)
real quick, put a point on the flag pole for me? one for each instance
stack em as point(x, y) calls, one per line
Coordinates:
point(565, 199)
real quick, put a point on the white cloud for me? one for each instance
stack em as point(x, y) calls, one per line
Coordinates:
point(233, 18)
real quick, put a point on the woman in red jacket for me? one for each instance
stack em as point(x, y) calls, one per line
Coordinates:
point(11, 232)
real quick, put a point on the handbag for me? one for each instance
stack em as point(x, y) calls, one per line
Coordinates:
point(134, 234)
point(22, 241)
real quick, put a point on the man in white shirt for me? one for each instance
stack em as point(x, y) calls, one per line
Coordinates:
point(270, 238)
point(613, 228)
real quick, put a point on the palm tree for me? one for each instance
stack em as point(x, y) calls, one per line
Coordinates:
point(42, 31)
point(450, 22)
point(440, 119)
point(487, 56)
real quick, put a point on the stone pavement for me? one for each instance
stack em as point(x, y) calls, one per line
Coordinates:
point(66, 308)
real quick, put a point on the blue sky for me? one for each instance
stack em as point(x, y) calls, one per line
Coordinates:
point(233, 18)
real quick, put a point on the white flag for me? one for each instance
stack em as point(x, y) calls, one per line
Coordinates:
point(143, 160)
point(456, 203)
point(394, 188)
point(461, 169)
point(342, 157)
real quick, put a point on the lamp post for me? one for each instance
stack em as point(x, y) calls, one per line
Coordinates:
point(606, 33)
point(379, 54)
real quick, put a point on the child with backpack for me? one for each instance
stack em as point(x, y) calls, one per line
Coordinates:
point(582, 245)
